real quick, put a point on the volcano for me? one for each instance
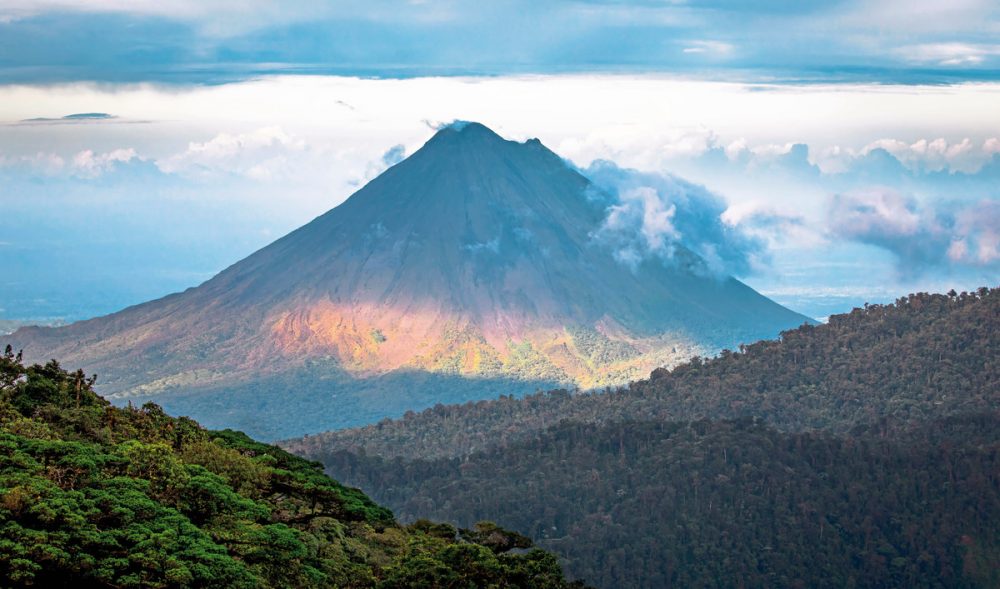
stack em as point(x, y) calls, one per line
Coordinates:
point(466, 270)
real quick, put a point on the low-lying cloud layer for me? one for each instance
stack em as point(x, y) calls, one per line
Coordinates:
point(650, 214)
point(226, 169)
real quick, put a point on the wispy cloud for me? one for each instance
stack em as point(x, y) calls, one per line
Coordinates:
point(263, 154)
point(949, 54)
point(713, 48)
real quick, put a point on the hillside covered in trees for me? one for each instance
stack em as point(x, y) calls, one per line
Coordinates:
point(926, 356)
point(729, 503)
point(862, 453)
point(93, 495)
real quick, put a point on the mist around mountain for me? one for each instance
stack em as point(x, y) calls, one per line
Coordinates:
point(474, 267)
point(8, 326)
point(860, 453)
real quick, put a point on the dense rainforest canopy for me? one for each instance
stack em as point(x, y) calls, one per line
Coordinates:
point(861, 453)
point(727, 503)
point(93, 495)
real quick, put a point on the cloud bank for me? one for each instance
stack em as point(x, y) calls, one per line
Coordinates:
point(921, 237)
point(279, 151)
point(652, 215)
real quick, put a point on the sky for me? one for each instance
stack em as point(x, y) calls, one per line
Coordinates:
point(828, 154)
point(909, 41)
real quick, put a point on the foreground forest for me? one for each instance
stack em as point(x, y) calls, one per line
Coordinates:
point(862, 453)
point(93, 495)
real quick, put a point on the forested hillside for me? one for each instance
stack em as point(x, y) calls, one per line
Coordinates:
point(927, 355)
point(97, 496)
point(727, 504)
point(862, 453)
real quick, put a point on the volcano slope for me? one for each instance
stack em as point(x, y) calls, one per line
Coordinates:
point(469, 269)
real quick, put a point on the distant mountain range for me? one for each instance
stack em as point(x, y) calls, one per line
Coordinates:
point(468, 269)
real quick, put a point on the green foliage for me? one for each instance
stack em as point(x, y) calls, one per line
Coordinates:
point(862, 453)
point(598, 348)
point(93, 495)
point(529, 364)
point(436, 561)
point(495, 538)
point(732, 503)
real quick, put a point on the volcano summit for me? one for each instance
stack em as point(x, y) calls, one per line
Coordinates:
point(467, 270)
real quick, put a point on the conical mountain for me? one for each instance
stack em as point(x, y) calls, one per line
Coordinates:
point(466, 268)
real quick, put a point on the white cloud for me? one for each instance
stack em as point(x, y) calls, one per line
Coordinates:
point(713, 48)
point(908, 17)
point(977, 234)
point(834, 159)
point(736, 148)
point(771, 150)
point(87, 164)
point(948, 54)
point(877, 211)
point(764, 220)
point(920, 235)
point(667, 13)
point(44, 162)
point(263, 154)
point(656, 224)
point(295, 132)
point(937, 154)
point(648, 215)
point(83, 164)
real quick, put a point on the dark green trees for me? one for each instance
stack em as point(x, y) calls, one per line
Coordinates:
point(93, 495)
point(862, 453)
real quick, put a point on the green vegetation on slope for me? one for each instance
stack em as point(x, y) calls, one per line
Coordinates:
point(728, 503)
point(862, 453)
point(93, 495)
point(926, 356)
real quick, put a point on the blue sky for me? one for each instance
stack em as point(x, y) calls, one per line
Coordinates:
point(900, 41)
point(828, 153)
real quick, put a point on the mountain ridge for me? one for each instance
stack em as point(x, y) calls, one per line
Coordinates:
point(474, 256)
